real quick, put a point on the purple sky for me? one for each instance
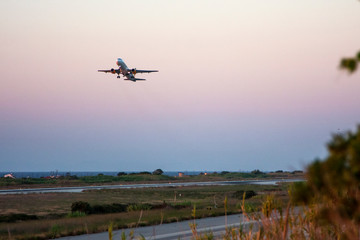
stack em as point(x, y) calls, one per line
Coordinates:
point(242, 85)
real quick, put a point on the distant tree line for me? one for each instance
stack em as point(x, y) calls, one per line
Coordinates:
point(156, 172)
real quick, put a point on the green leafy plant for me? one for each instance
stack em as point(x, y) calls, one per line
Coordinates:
point(350, 64)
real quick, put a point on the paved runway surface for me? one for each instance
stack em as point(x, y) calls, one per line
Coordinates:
point(177, 230)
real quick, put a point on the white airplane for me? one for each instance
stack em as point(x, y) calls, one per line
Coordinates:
point(129, 74)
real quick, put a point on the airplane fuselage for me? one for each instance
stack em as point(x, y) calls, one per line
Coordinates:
point(122, 65)
point(125, 71)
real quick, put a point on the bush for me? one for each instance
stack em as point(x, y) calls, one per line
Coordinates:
point(108, 208)
point(81, 206)
point(17, 217)
point(257, 171)
point(248, 194)
point(334, 185)
point(55, 231)
point(158, 172)
point(138, 206)
point(68, 176)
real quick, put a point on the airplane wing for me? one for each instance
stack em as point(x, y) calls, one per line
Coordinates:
point(145, 71)
point(135, 71)
point(111, 71)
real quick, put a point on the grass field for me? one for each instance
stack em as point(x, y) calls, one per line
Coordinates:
point(54, 219)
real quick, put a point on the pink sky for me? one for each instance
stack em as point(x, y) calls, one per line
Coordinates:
point(242, 85)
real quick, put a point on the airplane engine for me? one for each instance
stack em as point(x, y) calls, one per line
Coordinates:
point(112, 71)
point(133, 71)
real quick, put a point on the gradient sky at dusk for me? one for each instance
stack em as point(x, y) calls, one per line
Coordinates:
point(242, 84)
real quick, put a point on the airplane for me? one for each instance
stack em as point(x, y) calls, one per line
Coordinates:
point(129, 74)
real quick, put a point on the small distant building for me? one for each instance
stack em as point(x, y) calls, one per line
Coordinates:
point(52, 177)
point(10, 175)
point(181, 174)
point(205, 173)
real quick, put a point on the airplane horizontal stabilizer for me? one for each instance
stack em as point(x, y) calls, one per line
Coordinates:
point(135, 79)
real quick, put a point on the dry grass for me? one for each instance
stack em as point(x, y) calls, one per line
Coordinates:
point(204, 197)
point(297, 223)
point(314, 221)
point(60, 203)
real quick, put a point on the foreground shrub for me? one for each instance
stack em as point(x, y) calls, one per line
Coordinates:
point(333, 186)
point(331, 198)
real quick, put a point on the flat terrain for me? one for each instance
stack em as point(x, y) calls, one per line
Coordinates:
point(49, 215)
point(73, 181)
